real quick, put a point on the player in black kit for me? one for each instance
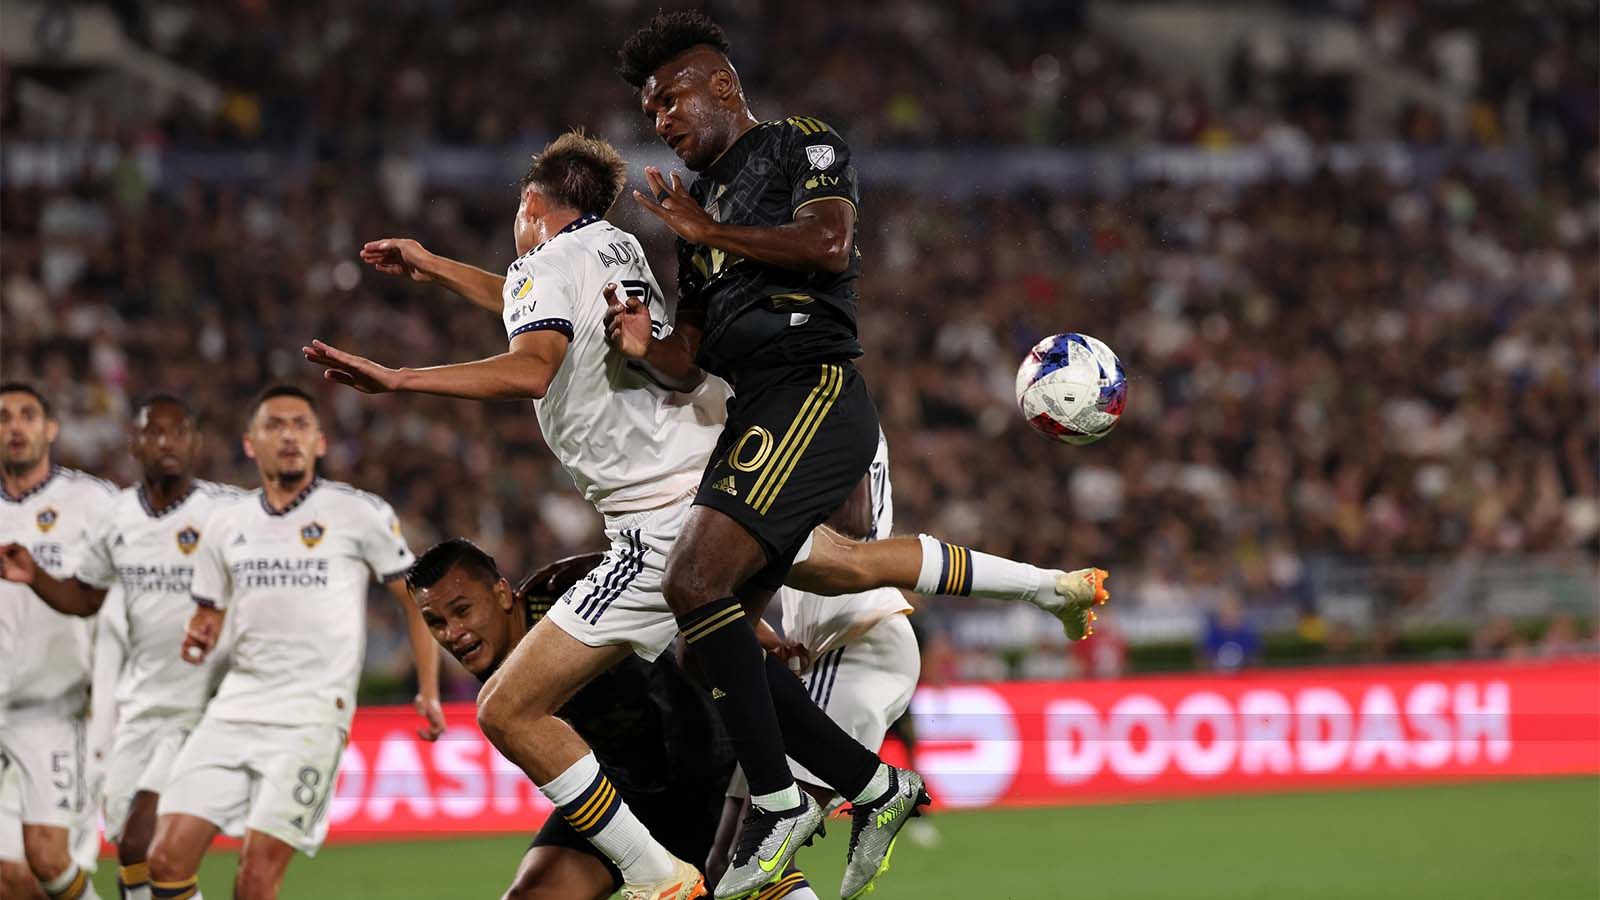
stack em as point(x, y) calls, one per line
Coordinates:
point(767, 283)
point(654, 732)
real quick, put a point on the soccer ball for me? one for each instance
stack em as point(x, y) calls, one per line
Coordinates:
point(1071, 388)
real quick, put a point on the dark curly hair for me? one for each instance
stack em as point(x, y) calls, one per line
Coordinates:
point(666, 36)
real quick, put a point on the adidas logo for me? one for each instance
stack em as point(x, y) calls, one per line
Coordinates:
point(717, 694)
point(725, 484)
point(118, 542)
point(237, 541)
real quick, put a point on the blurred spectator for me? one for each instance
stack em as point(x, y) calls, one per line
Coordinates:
point(1229, 641)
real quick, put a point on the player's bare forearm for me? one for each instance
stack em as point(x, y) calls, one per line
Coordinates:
point(820, 239)
point(503, 377)
point(482, 288)
point(426, 654)
point(672, 360)
point(67, 596)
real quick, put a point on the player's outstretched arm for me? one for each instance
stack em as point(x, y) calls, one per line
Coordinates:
point(522, 373)
point(66, 596)
point(426, 653)
point(403, 256)
point(818, 239)
point(671, 358)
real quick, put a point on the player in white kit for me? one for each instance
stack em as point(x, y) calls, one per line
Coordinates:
point(287, 566)
point(633, 446)
point(49, 510)
point(634, 438)
point(146, 543)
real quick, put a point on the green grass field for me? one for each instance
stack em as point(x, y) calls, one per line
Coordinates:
point(1523, 840)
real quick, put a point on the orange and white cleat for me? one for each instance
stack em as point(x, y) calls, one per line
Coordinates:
point(685, 883)
point(1080, 592)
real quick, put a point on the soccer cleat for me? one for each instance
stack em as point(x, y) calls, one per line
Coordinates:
point(1080, 591)
point(685, 883)
point(766, 845)
point(875, 828)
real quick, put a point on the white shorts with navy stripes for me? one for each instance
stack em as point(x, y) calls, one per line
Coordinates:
point(864, 686)
point(621, 602)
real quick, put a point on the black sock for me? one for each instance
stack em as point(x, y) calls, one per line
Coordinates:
point(725, 646)
point(814, 740)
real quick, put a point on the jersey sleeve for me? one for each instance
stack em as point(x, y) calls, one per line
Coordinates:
point(212, 585)
point(96, 568)
point(538, 296)
point(383, 545)
point(817, 164)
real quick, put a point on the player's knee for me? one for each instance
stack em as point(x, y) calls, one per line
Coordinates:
point(167, 863)
point(256, 881)
point(498, 711)
point(686, 585)
point(46, 851)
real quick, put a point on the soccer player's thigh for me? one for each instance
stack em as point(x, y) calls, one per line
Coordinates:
point(297, 767)
point(795, 449)
point(141, 764)
point(47, 751)
point(209, 791)
point(562, 864)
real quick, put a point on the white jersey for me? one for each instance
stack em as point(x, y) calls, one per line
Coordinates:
point(150, 553)
point(51, 657)
point(294, 586)
point(628, 443)
point(824, 623)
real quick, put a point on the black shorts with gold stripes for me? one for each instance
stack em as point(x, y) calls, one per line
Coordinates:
point(799, 439)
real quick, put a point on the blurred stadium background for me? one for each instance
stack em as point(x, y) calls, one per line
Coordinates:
point(1346, 250)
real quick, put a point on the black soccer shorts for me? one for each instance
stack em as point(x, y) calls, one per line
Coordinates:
point(798, 441)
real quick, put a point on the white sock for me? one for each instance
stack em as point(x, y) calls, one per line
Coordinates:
point(953, 570)
point(142, 892)
point(803, 892)
point(778, 801)
point(593, 807)
point(876, 787)
point(73, 884)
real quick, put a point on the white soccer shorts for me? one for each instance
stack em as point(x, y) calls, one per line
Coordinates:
point(275, 779)
point(10, 813)
point(142, 754)
point(620, 602)
point(48, 750)
point(864, 686)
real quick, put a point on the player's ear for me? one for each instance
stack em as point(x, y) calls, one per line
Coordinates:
point(248, 445)
point(503, 596)
point(723, 84)
point(322, 443)
point(52, 428)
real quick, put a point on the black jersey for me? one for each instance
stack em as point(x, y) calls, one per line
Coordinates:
point(649, 726)
point(759, 316)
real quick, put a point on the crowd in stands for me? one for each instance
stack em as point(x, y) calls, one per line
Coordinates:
point(1351, 366)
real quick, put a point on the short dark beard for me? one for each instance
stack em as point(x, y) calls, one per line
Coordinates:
point(19, 468)
point(288, 480)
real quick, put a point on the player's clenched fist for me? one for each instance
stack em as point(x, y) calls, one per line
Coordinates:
point(627, 324)
point(399, 256)
point(200, 637)
point(16, 564)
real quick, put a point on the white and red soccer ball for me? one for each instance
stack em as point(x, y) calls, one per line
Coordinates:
point(1071, 387)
